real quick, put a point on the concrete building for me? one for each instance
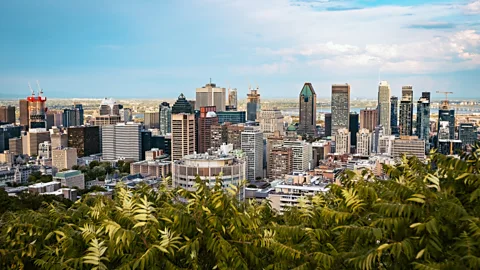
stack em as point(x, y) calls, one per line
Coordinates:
point(15, 145)
point(271, 120)
point(342, 141)
point(183, 135)
point(253, 104)
point(7, 114)
point(210, 95)
point(364, 142)
point(207, 119)
point(353, 129)
point(280, 162)
point(446, 122)
point(423, 119)
point(85, 139)
point(234, 117)
point(23, 106)
point(320, 151)
point(151, 120)
point(302, 155)
point(122, 142)
point(232, 98)
point(165, 118)
point(252, 146)
point(64, 158)
point(156, 168)
point(406, 112)
point(328, 124)
point(467, 133)
point(368, 119)
point(307, 111)
point(384, 107)
point(106, 120)
point(32, 139)
point(126, 115)
point(232, 170)
point(409, 146)
point(385, 145)
point(71, 179)
point(7, 132)
point(109, 106)
point(45, 150)
point(340, 107)
point(59, 140)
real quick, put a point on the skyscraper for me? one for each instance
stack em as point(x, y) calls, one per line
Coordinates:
point(7, 114)
point(340, 107)
point(253, 104)
point(446, 122)
point(210, 95)
point(183, 129)
point(252, 146)
point(152, 120)
point(125, 115)
point(64, 158)
point(207, 118)
point(423, 119)
point(368, 119)
point(70, 118)
point(353, 128)
point(122, 141)
point(165, 118)
point(37, 111)
point(109, 112)
point(406, 111)
point(467, 133)
point(308, 111)
point(328, 124)
point(86, 139)
point(384, 107)
point(394, 115)
point(302, 155)
point(24, 117)
point(232, 98)
point(79, 108)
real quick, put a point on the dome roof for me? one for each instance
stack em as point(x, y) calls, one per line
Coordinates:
point(211, 114)
point(291, 128)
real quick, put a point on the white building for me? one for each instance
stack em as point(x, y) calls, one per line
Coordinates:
point(252, 146)
point(302, 155)
point(384, 105)
point(122, 141)
point(385, 144)
point(342, 141)
point(409, 146)
point(271, 120)
point(45, 150)
point(364, 140)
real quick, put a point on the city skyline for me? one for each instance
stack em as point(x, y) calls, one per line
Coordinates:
point(120, 50)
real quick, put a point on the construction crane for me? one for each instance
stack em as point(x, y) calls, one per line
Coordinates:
point(445, 102)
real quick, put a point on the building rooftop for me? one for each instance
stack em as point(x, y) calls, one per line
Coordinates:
point(39, 185)
point(69, 173)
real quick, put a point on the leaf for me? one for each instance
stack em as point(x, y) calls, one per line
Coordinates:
point(420, 254)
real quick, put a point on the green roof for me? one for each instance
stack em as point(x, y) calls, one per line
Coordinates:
point(307, 90)
point(69, 173)
point(291, 128)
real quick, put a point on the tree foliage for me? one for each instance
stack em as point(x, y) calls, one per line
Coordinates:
point(427, 216)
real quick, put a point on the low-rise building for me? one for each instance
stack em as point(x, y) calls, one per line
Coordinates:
point(159, 169)
point(71, 178)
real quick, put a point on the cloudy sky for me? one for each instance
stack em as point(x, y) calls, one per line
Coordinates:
point(159, 49)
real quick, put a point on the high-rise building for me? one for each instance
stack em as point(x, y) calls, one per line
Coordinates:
point(385, 144)
point(409, 146)
point(353, 128)
point(384, 107)
point(122, 141)
point(32, 139)
point(86, 139)
point(302, 155)
point(24, 117)
point(377, 134)
point(467, 133)
point(364, 142)
point(182, 105)
point(210, 95)
point(7, 114)
point(394, 115)
point(8, 132)
point(271, 120)
point(207, 118)
point(234, 117)
point(126, 115)
point(152, 120)
point(446, 122)
point(340, 107)
point(54, 119)
point(368, 119)
point(328, 124)
point(15, 145)
point(165, 118)
point(252, 146)
point(423, 119)
point(273, 140)
point(320, 151)
point(342, 141)
point(109, 106)
point(183, 134)
point(71, 118)
point(232, 98)
point(253, 104)
point(280, 162)
point(308, 111)
point(64, 158)
point(406, 112)
point(80, 116)
point(59, 140)
point(37, 111)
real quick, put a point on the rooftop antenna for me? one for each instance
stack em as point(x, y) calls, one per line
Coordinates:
point(210, 80)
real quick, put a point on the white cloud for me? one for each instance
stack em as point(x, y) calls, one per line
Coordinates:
point(473, 7)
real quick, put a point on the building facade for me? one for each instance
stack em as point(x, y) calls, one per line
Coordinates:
point(234, 117)
point(342, 142)
point(85, 139)
point(409, 146)
point(165, 118)
point(232, 98)
point(122, 142)
point(423, 119)
point(271, 120)
point(364, 142)
point(384, 107)
point(302, 155)
point(7, 114)
point(467, 133)
point(207, 119)
point(406, 112)
point(340, 107)
point(64, 158)
point(280, 162)
point(252, 146)
point(253, 104)
point(210, 95)
point(368, 119)
point(308, 111)
point(151, 120)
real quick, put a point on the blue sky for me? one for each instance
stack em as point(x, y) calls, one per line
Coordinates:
point(157, 49)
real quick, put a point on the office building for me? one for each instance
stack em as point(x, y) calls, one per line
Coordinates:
point(106, 120)
point(232, 99)
point(384, 107)
point(280, 162)
point(368, 119)
point(377, 134)
point(364, 142)
point(328, 124)
point(227, 133)
point(253, 104)
point(85, 139)
point(152, 120)
point(109, 106)
point(156, 168)
point(320, 151)
point(302, 155)
point(122, 142)
point(409, 146)
point(80, 115)
point(394, 115)
point(342, 142)
point(7, 114)
point(37, 111)
point(449, 147)
point(24, 117)
point(232, 170)
point(210, 95)
point(8, 132)
point(32, 139)
point(71, 179)
point(165, 118)
point(183, 135)
point(207, 119)
point(45, 150)
point(234, 117)
point(467, 133)
point(54, 119)
point(126, 115)
point(353, 129)
point(340, 107)
point(385, 145)
point(15, 146)
point(446, 122)
point(252, 146)
point(406, 112)
point(59, 140)
point(271, 120)
point(423, 119)
point(64, 158)
point(308, 111)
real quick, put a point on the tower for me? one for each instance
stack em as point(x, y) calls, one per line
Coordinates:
point(406, 111)
point(165, 118)
point(252, 146)
point(340, 107)
point(384, 107)
point(423, 119)
point(394, 115)
point(307, 110)
point(37, 110)
point(210, 95)
point(253, 104)
point(183, 129)
point(232, 98)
